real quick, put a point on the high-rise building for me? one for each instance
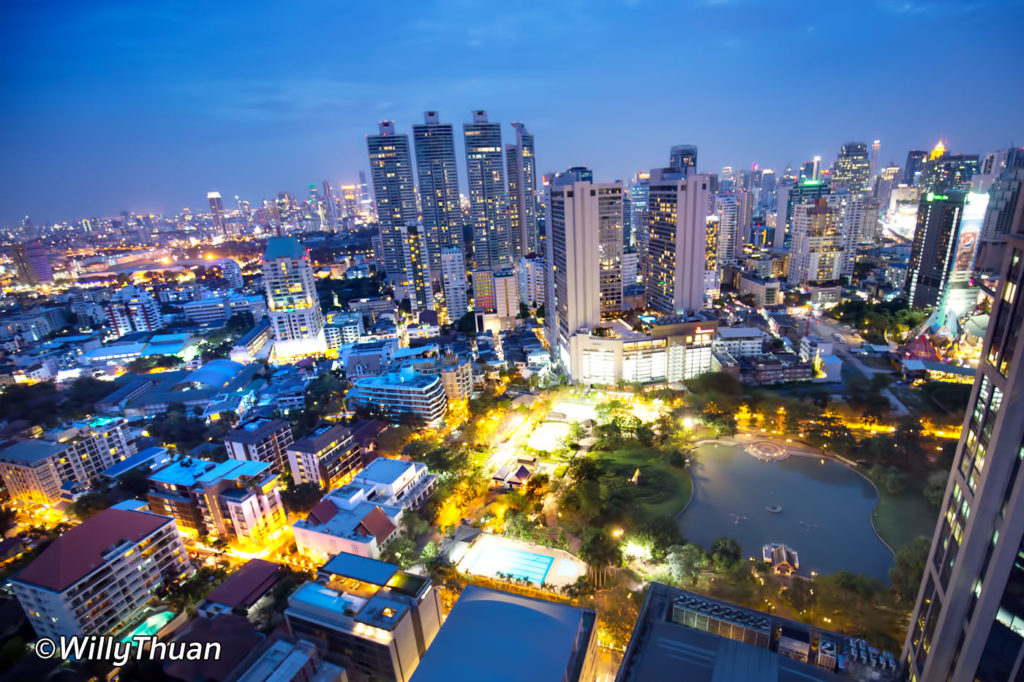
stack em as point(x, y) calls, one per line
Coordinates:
point(532, 280)
point(483, 291)
point(488, 203)
point(683, 157)
point(393, 189)
point(453, 282)
point(639, 190)
point(522, 193)
point(132, 309)
point(949, 172)
point(712, 273)
point(584, 256)
point(439, 187)
point(98, 577)
point(217, 212)
point(506, 294)
point(876, 161)
point(727, 214)
point(886, 181)
point(793, 195)
point(415, 264)
point(32, 263)
point(1004, 196)
point(914, 166)
point(853, 168)
point(816, 255)
point(292, 302)
point(968, 622)
point(933, 249)
point(677, 236)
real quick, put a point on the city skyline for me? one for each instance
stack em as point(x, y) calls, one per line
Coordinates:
point(151, 123)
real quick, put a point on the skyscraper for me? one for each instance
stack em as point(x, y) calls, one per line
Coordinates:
point(677, 240)
point(968, 622)
point(727, 214)
point(584, 253)
point(217, 212)
point(439, 187)
point(853, 168)
point(522, 193)
point(876, 161)
point(639, 189)
point(945, 172)
point(794, 195)
point(32, 261)
point(914, 166)
point(683, 157)
point(933, 249)
point(391, 170)
point(453, 282)
point(816, 254)
point(1004, 196)
point(488, 205)
point(292, 303)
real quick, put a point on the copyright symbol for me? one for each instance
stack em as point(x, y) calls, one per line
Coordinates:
point(45, 648)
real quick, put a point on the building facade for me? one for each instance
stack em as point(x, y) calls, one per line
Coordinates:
point(439, 188)
point(488, 204)
point(327, 457)
point(261, 440)
point(393, 190)
point(294, 307)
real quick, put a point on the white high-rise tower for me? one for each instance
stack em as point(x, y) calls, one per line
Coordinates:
point(292, 303)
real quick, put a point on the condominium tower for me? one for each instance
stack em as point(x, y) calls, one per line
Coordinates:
point(292, 302)
point(677, 213)
point(488, 204)
point(393, 189)
point(522, 193)
point(968, 622)
point(439, 187)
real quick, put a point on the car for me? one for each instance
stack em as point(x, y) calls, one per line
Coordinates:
point(838, 338)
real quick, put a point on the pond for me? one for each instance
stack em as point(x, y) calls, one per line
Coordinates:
point(825, 517)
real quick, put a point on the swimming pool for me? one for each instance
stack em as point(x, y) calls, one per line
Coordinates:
point(151, 625)
point(513, 562)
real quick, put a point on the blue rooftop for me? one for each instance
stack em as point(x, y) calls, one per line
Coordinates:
point(360, 568)
point(189, 472)
point(31, 451)
point(283, 247)
point(150, 456)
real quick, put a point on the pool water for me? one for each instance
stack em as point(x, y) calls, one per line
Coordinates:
point(514, 562)
point(151, 625)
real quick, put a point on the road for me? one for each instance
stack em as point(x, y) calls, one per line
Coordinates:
point(826, 327)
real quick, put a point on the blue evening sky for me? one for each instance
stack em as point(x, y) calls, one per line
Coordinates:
point(146, 106)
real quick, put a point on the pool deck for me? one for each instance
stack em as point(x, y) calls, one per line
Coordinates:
point(562, 569)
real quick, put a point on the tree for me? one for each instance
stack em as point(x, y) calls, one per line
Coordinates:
point(935, 487)
point(599, 550)
point(302, 498)
point(135, 482)
point(413, 525)
point(725, 552)
point(401, 551)
point(684, 563)
point(430, 552)
point(89, 505)
point(909, 566)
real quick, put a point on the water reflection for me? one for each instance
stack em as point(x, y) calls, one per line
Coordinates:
point(826, 509)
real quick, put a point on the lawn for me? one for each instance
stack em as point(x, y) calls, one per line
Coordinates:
point(901, 518)
point(664, 489)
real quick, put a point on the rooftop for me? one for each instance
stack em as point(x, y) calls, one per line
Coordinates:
point(384, 470)
point(189, 471)
point(360, 568)
point(255, 430)
point(79, 551)
point(541, 636)
point(246, 585)
point(32, 451)
point(283, 247)
point(405, 378)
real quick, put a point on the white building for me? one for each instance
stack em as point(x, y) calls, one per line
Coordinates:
point(402, 393)
point(217, 308)
point(813, 346)
point(584, 266)
point(34, 470)
point(133, 310)
point(506, 296)
point(365, 515)
point(291, 298)
point(817, 253)
point(532, 279)
point(453, 282)
point(96, 578)
point(739, 341)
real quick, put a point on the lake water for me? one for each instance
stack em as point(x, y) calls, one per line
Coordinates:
point(826, 510)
